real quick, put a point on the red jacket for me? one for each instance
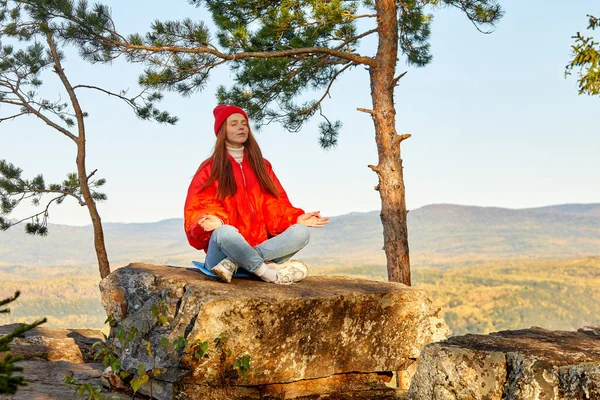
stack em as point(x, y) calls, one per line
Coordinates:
point(256, 214)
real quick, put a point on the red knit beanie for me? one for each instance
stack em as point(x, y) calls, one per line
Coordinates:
point(222, 112)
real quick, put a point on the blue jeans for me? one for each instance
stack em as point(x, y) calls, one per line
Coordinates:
point(227, 242)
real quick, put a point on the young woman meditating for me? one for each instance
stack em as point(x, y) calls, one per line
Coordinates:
point(238, 213)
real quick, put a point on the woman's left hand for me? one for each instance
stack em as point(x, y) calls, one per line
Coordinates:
point(209, 222)
point(312, 219)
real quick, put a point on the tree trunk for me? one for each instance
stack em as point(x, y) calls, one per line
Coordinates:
point(99, 244)
point(389, 168)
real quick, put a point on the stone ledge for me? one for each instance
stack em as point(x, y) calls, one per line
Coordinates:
point(49, 354)
point(526, 364)
point(53, 344)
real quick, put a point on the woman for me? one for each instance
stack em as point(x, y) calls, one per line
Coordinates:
point(238, 213)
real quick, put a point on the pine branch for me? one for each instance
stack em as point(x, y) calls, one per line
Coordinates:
point(40, 115)
point(130, 101)
point(2, 119)
point(479, 14)
point(356, 38)
point(327, 90)
point(63, 193)
point(4, 302)
point(35, 227)
point(115, 40)
point(363, 16)
point(263, 54)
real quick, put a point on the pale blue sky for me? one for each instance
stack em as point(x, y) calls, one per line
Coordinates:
point(494, 123)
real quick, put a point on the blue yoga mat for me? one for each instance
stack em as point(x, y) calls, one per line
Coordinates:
point(240, 273)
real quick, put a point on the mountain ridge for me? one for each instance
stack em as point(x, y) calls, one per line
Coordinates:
point(439, 235)
point(595, 207)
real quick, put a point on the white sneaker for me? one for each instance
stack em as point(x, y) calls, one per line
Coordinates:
point(225, 270)
point(289, 272)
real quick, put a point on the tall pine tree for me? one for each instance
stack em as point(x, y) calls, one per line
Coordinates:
point(30, 44)
point(283, 50)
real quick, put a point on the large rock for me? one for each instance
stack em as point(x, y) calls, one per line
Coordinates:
point(51, 344)
point(49, 355)
point(528, 364)
point(317, 329)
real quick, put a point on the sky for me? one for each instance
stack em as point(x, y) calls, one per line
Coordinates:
point(493, 121)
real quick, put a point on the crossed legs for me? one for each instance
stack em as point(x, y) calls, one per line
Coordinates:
point(227, 242)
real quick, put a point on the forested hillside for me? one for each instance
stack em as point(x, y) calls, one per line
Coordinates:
point(478, 297)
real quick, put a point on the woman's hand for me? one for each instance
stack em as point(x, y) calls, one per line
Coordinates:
point(209, 222)
point(312, 219)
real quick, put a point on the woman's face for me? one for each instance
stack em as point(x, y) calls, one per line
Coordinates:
point(237, 130)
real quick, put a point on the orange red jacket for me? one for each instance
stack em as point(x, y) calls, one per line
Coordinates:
point(257, 215)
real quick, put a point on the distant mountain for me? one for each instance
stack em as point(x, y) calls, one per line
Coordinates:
point(440, 234)
point(591, 210)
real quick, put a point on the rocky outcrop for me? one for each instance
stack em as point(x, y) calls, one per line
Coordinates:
point(71, 345)
point(51, 354)
point(199, 338)
point(528, 364)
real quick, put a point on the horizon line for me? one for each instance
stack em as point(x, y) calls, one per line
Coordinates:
point(353, 213)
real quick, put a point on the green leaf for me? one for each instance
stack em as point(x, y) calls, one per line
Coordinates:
point(200, 349)
point(115, 365)
point(204, 346)
point(180, 343)
point(242, 364)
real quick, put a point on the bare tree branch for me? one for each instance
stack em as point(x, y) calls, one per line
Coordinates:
point(13, 116)
point(396, 79)
point(365, 110)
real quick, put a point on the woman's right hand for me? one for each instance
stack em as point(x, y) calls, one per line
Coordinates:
point(209, 222)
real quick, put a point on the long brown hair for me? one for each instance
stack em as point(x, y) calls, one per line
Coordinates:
point(222, 171)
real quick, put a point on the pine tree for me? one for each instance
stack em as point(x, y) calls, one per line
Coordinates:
point(9, 384)
point(31, 44)
point(586, 59)
point(281, 51)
